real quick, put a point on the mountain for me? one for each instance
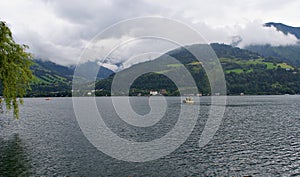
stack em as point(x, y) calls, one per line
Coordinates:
point(289, 54)
point(87, 70)
point(245, 72)
point(51, 79)
point(285, 28)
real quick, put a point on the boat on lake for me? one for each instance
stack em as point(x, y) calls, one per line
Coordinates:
point(188, 100)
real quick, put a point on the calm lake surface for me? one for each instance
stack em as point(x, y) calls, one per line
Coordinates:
point(259, 136)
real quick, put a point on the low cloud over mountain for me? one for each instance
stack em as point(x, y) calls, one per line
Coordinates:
point(60, 30)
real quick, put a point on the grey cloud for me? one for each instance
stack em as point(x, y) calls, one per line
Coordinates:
point(94, 16)
point(60, 29)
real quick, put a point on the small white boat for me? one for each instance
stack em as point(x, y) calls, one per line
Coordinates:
point(188, 100)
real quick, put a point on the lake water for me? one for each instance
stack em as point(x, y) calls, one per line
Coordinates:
point(259, 136)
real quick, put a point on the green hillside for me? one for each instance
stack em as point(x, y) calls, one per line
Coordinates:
point(51, 79)
point(288, 54)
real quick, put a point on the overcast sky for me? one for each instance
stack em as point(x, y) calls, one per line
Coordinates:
point(59, 30)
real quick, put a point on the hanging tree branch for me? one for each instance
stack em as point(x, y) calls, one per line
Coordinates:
point(15, 73)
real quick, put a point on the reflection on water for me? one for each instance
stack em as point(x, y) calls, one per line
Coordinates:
point(13, 159)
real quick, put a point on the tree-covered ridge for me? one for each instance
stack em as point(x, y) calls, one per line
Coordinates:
point(227, 51)
point(289, 54)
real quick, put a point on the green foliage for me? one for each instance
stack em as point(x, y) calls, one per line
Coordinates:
point(15, 73)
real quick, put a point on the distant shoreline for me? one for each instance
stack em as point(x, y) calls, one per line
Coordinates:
point(162, 95)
